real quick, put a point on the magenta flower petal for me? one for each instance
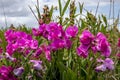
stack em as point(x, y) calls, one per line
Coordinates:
point(5, 73)
point(107, 52)
point(94, 49)
point(36, 32)
point(68, 43)
point(100, 36)
point(52, 26)
point(71, 31)
point(54, 35)
point(86, 37)
point(19, 41)
point(10, 36)
point(82, 50)
point(38, 52)
point(39, 31)
point(33, 44)
point(57, 44)
point(101, 44)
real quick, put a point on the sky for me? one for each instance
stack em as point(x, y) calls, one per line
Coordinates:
point(17, 12)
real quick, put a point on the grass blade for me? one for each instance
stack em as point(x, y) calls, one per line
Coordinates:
point(65, 7)
point(38, 12)
point(60, 7)
point(33, 13)
point(51, 12)
point(97, 8)
point(81, 7)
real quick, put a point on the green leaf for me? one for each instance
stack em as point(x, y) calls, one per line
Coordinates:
point(76, 15)
point(65, 7)
point(81, 7)
point(116, 22)
point(33, 13)
point(38, 12)
point(64, 76)
point(51, 12)
point(61, 66)
point(83, 72)
point(71, 75)
point(60, 7)
point(104, 19)
point(103, 29)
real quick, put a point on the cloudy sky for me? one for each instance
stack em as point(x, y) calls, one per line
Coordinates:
point(17, 11)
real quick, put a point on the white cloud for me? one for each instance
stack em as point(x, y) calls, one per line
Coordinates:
point(18, 12)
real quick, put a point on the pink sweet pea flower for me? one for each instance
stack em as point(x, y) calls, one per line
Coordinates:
point(19, 41)
point(36, 32)
point(38, 52)
point(86, 38)
point(101, 44)
point(71, 31)
point(57, 44)
point(54, 31)
point(68, 43)
point(5, 73)
point(82, 50)
point(54, 35)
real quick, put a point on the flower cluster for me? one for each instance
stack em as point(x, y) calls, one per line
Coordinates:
point(101, 44)
point(97, 43)
point(5, 73)
point(86, 40)
point(19, 41)
point(50, 31)
point(58, 37)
